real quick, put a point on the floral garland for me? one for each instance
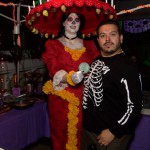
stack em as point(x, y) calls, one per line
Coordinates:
point(72, 114)
point(75, 53)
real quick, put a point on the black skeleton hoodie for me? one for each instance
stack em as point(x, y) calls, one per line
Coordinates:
point(112, 96)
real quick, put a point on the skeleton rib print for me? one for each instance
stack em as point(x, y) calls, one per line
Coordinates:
point(93, 84)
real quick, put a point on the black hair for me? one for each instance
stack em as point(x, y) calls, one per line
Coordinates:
point(106, 22)
point(64, 17)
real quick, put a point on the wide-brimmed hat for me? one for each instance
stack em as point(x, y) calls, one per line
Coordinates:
point(45, 19)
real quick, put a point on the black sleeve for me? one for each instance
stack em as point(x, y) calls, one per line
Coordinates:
point(132, 92)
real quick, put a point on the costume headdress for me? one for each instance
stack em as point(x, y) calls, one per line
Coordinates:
point(45, 18)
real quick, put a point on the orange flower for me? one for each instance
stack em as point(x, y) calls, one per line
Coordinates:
point(69, 80)
point(75, 53)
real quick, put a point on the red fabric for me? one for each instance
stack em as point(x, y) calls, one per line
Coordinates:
point(51, 23)
point(56, 58)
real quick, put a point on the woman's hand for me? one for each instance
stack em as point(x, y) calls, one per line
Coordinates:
point(59, 80)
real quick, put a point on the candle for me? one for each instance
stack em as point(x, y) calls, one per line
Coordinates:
point(29, 8)
point(106, 1)
point(112, 3)
point(33, 3)
point(40, 2)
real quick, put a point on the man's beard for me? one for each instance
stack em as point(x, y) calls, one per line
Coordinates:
point(111, 51)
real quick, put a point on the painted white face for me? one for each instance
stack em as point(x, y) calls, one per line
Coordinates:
point(72, 23)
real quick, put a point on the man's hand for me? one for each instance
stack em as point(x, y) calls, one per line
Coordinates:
point(105, 137)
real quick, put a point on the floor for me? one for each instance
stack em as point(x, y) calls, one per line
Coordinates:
point(41, 144)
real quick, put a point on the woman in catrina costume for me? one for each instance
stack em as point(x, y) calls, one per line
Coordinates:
point(67, 57)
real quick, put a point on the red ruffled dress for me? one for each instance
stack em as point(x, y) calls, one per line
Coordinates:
point(56, 58)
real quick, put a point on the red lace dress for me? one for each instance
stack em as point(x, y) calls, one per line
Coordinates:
point(65, 131)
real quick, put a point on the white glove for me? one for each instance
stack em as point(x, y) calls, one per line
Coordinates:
point(77, 77)
point(58, 83)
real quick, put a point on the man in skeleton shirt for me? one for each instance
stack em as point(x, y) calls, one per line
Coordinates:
point(112, 94)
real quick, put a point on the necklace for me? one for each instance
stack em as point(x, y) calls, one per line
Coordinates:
point(69, 38)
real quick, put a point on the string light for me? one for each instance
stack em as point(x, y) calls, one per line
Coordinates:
point(19, 41)
point(1, 77)
point(13, 12)
point(13, 16)
point(119, 13)
point(133, 9)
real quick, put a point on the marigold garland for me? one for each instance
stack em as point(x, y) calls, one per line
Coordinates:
point(75, 53)
point(72, 114)
point(69, 80)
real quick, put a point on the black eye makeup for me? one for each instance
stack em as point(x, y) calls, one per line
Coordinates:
point(77, 20)
point(71, 19)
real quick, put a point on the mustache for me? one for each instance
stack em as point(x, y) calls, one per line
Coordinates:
point(108, 43)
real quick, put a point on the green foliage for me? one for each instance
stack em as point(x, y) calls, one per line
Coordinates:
point(37, 2)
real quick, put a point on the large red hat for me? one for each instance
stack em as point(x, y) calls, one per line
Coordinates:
point(45, 18)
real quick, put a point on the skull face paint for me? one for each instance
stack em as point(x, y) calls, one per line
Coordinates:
point(72, 23)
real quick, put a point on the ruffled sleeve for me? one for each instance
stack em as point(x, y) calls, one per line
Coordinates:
point(50, 57)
